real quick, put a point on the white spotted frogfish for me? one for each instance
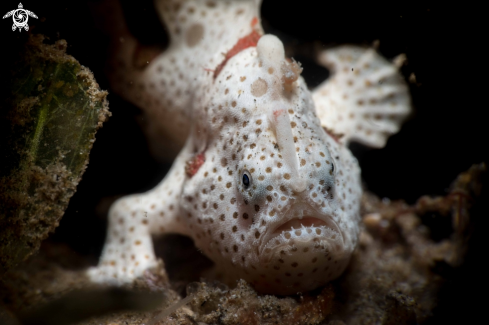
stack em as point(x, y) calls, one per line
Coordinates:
point(264, 183)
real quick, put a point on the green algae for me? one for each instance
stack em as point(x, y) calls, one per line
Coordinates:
point(49, 114)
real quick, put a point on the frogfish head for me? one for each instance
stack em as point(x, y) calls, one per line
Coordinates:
point(276, 201)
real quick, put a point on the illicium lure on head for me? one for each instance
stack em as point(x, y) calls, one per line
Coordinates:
point(265, 183)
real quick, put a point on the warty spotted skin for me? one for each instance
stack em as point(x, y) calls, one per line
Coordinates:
point(265, 184)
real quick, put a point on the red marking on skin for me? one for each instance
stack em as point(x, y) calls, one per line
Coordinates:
point(193, 165)
point(249, 40)
point(254, 21)
point(277, 113)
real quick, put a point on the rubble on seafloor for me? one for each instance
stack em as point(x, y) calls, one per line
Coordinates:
point(394, 276)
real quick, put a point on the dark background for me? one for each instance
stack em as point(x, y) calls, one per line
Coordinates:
point(447, 133)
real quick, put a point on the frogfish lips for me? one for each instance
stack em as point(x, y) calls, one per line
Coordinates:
point(305, 250)
point(302, 232)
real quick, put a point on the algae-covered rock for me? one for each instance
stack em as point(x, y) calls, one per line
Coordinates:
point(49, 114)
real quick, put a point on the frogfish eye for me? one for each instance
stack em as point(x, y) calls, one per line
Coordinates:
point(246, 179)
